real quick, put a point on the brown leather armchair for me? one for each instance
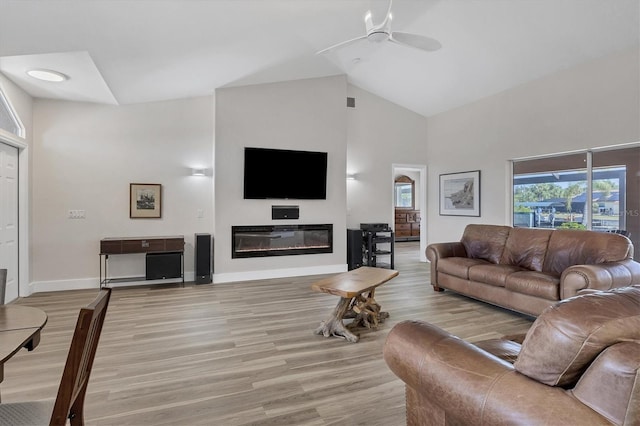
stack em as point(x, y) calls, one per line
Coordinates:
point(579, 364)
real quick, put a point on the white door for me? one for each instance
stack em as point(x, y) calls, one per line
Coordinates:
point(9, 218)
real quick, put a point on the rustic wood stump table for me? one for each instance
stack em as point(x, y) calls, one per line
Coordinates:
point(356, 289)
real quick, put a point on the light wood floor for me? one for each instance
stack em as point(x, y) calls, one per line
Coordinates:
point(242, 353)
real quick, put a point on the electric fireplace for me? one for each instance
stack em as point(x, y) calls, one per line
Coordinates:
point(280, 240)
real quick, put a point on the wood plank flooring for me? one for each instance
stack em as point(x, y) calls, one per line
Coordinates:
point(242, 353)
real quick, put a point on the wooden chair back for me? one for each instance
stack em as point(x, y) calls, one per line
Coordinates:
point(3, 284)
point(75, 377)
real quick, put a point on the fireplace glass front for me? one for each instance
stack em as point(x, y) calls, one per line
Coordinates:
point(281, 240)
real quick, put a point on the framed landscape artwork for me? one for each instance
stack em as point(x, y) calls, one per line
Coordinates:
point(145, 200)
point(460, 194)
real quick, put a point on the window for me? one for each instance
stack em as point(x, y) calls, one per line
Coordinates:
point(616, 191)
point(597, 190)
point(547, 192)
point(9, 120)
point(404, 192)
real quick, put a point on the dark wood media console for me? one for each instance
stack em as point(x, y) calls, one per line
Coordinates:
point(161, 247)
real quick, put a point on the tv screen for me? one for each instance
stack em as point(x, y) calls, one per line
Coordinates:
point(284, 174)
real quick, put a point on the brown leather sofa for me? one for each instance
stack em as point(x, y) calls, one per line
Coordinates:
point(579, 364)
point(526, 269)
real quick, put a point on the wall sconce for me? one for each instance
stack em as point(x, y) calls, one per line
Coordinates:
point(351, 176)
point(198, 172)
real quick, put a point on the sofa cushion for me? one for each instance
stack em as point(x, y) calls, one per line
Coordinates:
point(504, 349)
point(568, 336)
point(526, 247)
point(616, 369)
point(534, 283)
point(492, 274)
point(574, 247)
point(485, 241)
point(458, 266)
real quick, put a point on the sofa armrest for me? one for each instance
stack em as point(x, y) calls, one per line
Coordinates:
point(602, 276)
point(438, 251)
point(471, 385)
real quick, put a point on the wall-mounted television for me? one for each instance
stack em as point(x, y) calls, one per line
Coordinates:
point(284, 174)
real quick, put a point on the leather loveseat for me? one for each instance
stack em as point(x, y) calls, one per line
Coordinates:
point(527, 269)
point(579, 364)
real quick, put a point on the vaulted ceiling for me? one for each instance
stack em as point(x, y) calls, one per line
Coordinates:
point(133, 51)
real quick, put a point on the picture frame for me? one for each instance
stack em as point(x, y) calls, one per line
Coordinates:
point(460, 194)
point(145, 200)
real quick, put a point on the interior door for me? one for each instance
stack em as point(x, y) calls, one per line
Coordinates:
point(9, 217)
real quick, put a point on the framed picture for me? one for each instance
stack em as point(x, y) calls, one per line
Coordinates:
point(145, 200)
point(460, 194)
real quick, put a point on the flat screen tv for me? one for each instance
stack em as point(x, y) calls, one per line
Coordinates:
point(284, 174)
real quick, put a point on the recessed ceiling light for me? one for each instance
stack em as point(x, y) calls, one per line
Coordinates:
point(47, 75)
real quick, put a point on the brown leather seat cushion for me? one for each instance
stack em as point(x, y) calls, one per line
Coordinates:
point(492, 274)
point(534, 283)
point(568, 336)
point(458, 266)
point(506, 350)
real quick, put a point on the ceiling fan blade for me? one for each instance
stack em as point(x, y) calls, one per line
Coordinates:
point(414, 40)
point(381, 27)
point(387, 17)
point(344, 43)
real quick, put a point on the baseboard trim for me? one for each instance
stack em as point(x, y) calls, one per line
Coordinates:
point(230, 277)
point(63, 285)
point(89, 283)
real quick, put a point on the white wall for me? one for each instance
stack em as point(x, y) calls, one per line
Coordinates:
point(594, 104)
point(380, 134)
point(304, 115)
point(86, 155)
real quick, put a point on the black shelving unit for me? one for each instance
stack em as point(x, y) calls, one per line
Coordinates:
point(378, 248)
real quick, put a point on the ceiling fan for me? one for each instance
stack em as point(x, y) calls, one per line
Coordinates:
point(382, 32)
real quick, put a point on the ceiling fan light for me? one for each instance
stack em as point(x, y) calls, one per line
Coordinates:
point(47, 75)
point(378, 36)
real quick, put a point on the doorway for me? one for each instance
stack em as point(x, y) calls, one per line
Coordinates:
point(409, 186)
point(9, 218)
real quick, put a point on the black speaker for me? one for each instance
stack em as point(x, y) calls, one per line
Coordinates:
point(203, 256)
point(160, 266)
point(285, 212)
point(354, 249)
point(375, 227)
